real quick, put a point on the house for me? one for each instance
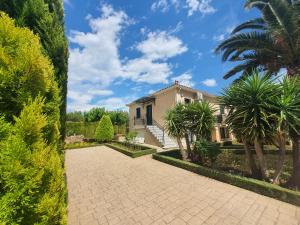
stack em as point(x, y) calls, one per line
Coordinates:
point(146, 114)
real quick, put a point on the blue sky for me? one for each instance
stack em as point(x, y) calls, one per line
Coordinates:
point(122, 50)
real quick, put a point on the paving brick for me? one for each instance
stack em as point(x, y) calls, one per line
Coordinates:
point(106, 187)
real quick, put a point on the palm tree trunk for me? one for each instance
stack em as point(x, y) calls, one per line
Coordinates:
point(281, 157)
point(188, 145)
point(294, 180)
point(182, 150)
point(250, 161)
point(261, 159)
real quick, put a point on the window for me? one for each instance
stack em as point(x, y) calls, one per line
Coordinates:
point(224, 132)
point(138, 113)
point(187, 101)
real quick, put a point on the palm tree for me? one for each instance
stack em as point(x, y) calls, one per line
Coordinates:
point(287, 123)
point(249, 102)
point(271, 43)
point(175, 126)
point(201, 119)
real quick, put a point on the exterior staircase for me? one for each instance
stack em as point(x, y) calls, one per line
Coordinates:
point(162, 137)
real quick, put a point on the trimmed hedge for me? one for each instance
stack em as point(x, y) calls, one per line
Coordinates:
point(134, 153)
point(80, 145)
point(87, 129)
point(261, 187)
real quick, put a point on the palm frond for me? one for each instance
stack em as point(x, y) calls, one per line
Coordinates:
point(257, 23)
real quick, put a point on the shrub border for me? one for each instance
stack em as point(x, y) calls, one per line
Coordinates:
point(78, 147)
point(257, 186)
point(132, 154)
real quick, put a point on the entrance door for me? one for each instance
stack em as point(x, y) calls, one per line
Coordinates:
point(149, 114)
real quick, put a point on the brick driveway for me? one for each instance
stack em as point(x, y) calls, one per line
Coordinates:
point(107, 187)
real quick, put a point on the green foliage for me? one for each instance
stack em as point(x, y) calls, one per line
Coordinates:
point(80, 145)
point(131, 136)
point(270, 42)
point(76, 116)
point(26, 73)
point(94, 115)
point(132, 150)
point(105, 130)
point(119, 117)
point(5, 129)
point(207, 150)
point(31, 175)
point(175, 123)
point(46, 19)
point(88, 129)
point(200, 119)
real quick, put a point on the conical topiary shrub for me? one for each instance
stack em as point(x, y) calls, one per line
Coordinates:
point(105, 130)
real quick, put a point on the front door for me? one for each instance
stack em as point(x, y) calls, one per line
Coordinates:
point(149, 114)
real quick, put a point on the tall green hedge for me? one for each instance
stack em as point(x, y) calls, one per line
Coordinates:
point(46, 19)
point(105, 130)
point(32, 184)
point(88, 129)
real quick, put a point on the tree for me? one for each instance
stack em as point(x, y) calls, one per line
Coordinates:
point(46, 19)
point(94, 115)
point(76, 116)
point(31, 173)
point(271, 41)
point(119, 117)
point(26, 73)
point(250, 104)
point(271, 45)
point(176, 126)
point(105, 130)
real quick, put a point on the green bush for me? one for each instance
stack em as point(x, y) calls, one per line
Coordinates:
point(32, 187)
point(131, 150)
point(25, 72)
point(207, 150)
point(105, 130)
point(130, 136)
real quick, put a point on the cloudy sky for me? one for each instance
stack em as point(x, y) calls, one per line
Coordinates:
point(122, 50)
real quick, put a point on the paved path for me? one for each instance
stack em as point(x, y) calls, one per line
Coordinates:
point(107, 187)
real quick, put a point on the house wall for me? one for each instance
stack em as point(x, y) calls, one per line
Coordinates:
point(163, 103)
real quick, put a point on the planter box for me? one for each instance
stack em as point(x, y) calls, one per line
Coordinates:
point(134, 153)
point(260, 187)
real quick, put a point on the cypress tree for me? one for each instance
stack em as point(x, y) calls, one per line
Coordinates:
point(46, 19)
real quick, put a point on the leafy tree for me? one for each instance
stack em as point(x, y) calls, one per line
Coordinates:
point(31, 174)
point(270, 42)
point(76, 116)
point(119, 117)
point(251, 112)
point(105, 130)
point(26, 73)
point(94, 115)
point(46, 19)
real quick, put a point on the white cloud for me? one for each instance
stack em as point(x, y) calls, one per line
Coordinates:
point(162, 5)
point(161, 45)
point(184, 79)
point(220, 37)
point(202, 6)
point(95, 63)
point(150, 92)
point(210, 82)
point(101, 92)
